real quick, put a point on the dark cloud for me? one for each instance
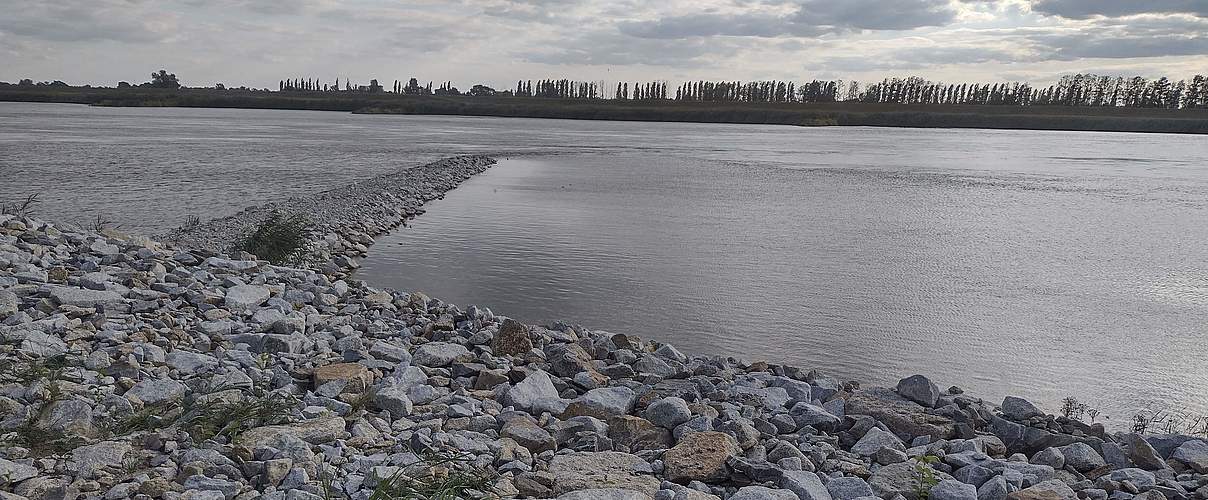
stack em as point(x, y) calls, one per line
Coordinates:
point(1084, 9)
point(808, 18)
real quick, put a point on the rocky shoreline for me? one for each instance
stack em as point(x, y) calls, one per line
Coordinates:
point(131, 368)
point(343, 221)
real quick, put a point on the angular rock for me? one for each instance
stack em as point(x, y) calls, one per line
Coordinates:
point(874, 440)
point(245, 297)
point(528, 434)
point(157, 390)
point(355, 376)
point(603, 403)
point(1082, 457)
point(602, 470)
point(1019, 409)
point(919, 389)
point(761, 493)
point(438, 354)
point(1194, 454)
point(531, 391)
point(605, 494)
point(668, 412)
point(951, 489)
point(806, 485)
point(637, 433)
point(849, 488)
point(512, 339)
point(700, 456)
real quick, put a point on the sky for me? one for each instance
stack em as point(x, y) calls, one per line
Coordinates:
point(496, 42)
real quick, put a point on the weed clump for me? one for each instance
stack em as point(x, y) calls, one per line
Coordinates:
point(437, 476)
point(279, 239)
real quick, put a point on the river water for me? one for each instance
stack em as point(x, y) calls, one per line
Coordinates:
point(1040, 264)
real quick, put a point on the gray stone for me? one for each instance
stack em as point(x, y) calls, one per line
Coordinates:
point(896, 479)
point(603, 403)
point(874, 440)
point(189, 364)
point(1141, 478)
point(13, 472)
point(668, 412)
point(996, 488)
point(605, 494)
point(393, 398)
point(157, 390)
point(1052, 486)
point(8, 303)
point(806, 485)
point(1051, 457)
point(762, 493)
point(813, 415)
point(438, 354)
point(919, 389)
point(951, 489)
point(528, 434)
point(525, 395)
point(602, 470)
point(245, 297)
point(1019, 409)
point(87, 461)
point(849, 488)
point(1141, 453)
point(80, 297)
point(973, 474)
point(1194, 454)
point(198, 482)
point(1082, 457)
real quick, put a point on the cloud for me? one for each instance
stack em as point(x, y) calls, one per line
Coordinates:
point(808, 18)
point(1084, 9)
point(606, 48)
point(81, 21)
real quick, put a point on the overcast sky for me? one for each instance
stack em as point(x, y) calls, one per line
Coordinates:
point(258, 42)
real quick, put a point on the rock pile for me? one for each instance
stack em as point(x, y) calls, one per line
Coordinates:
point(131, 369)
point(344, 220)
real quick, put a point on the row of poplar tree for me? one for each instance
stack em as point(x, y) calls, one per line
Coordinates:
point(1071, 90)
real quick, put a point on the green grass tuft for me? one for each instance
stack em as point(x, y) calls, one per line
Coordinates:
point(279, 239)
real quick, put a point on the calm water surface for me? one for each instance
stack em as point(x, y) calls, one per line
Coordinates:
point(1043, 264)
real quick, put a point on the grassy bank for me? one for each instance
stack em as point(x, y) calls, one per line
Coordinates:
point(802, 114)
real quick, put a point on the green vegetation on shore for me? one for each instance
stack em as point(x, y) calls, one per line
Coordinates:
point(1192, 121)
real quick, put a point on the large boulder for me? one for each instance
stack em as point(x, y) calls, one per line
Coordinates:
point(1019, 409)
point(1081, 457)
point(1053, 489)
point(813, 415)
point(668, 412)
point(602, 470)
point(157, 390)
point(805, 484)
point(1025, 439)
point(605, 494)
point(80, 297)
point(637, 433)
point(529, 394)
point(761, 493)
point(874, 440)
point(951, 489)
point(603, 403)
point(8, 303)
point(849, 488)
point(919, 389)
point(896, 479)
point(528, 434)
point(903, 417)
point(355, 377)
point(700, 456)
point(512, 339)
point(1141, 453)
point(1194, 454)
point(245, 297)
point(438, 354)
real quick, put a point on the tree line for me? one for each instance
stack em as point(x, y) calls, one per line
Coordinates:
point(1082, 89)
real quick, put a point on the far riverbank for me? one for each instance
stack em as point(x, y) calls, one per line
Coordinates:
point(1103, 119)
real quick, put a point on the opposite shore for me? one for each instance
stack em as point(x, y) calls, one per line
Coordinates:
point(134, 368)
point(1110, 119)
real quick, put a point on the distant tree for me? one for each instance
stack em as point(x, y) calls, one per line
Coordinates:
point(163, 80)
point(26, 82)
point(219, 86)
point(482, 90)
point(374, 87)
point(123, 85)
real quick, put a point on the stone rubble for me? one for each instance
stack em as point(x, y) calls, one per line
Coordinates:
point(108, 342)
point(343, 220)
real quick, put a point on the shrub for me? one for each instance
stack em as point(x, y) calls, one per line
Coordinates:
point(279, 239)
